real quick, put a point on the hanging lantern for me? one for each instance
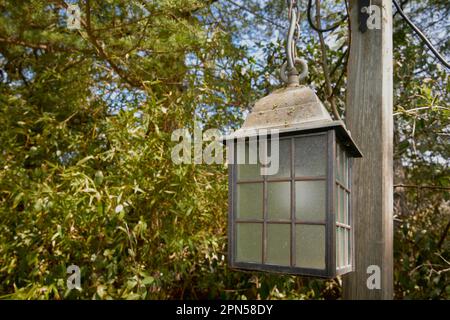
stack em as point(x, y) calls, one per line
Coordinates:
point(296, 220)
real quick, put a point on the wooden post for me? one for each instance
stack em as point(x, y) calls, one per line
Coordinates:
point(370, 121)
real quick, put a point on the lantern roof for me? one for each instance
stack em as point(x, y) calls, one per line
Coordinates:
point(292, 109)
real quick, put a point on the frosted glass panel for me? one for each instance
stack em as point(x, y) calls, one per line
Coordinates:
point(310, 156)
point(336, 202)
point(346, 171)
point(251, 167)
point(349, 247)
point(346, 246)
point(341, 165)
point(346, 221)
point(278, 244)
point(337, 247)
point(284, 159)
point(341, 246)
point(310, 246)
point(250, 201)
point(248, 172)
point(336, 163)
point(279, 200)
point(249, 242)
point(310, 200)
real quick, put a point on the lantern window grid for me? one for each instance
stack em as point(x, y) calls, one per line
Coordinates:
point(344, 231)
point(335, 227)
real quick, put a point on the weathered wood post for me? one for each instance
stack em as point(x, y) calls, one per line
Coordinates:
point(369, 118)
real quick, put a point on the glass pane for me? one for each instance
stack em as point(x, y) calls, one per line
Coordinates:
point(284, 159)
point(310, 156)
point(251, 169)
point(337, 248)
point(343, 164)
point(279, 244)
point(341, 247)
point(250, 201)
point(336, 202)
point(338, 207)
point(249, 242)
point(349, 247)
point(347, 208)
point(347, 177)
point(349, 172)
point(341, 204)
point(310, 197)
point(248, 172)
point(279, 200)
point(310, 246)
point(346, 246)
point(336, 163)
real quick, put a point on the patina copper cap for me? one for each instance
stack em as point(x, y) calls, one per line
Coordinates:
point(294, 108)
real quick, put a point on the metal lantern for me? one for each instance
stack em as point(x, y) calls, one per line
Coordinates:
point(298, 220)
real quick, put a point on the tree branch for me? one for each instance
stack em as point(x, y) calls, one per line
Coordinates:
point(329, 89)
point(420, 187)
point(42, 46)
point(444, 235)
point(102, 53)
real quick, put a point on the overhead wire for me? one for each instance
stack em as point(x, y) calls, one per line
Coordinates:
point(399, 10)
point(319, 29)
point(398, 7)
point(421, 35)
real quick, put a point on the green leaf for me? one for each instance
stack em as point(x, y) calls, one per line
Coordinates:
point(84, 160)
point(148, 280)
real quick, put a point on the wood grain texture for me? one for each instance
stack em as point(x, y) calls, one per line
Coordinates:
point(369, 118)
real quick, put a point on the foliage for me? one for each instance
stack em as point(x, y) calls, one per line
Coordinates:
point(422, 158)
point(86, 175)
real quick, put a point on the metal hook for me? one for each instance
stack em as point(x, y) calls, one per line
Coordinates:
point(292, 77)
